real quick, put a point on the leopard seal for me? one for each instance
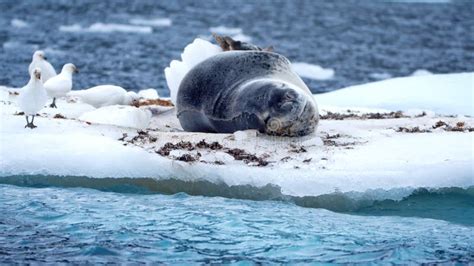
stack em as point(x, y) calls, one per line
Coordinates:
point(246, 89)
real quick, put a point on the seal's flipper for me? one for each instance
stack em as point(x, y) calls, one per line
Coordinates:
point(221, 41)
point(229, 44)
point(269, 49)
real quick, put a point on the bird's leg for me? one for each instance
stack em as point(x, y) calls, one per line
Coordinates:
point(33, 119)
point(53, 104)
point(27, 122)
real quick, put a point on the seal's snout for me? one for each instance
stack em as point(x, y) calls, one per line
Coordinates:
point(296, 115)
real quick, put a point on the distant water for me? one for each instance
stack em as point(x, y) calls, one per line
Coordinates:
point(51, 219)
point(55, 225)
point(360, 40)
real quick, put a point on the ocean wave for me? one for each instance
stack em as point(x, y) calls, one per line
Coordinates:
point(105, 28)
point(437, 203)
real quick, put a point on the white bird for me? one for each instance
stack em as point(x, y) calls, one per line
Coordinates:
point(32, 97)
point(61, 84)
point(105, 95)
point(39, 61)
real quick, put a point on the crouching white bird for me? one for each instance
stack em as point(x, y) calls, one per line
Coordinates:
point(61, 84)
point(39, 61)
point(105, 95)
point(32, 97)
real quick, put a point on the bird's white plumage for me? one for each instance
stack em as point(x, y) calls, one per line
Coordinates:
point(105, 95)
point(61, 84)
point(38, 61)
point(32, 96)
point(193, 54)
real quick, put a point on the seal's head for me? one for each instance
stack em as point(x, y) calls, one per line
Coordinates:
point(285, 109)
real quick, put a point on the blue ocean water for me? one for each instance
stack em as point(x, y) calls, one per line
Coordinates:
point(360, 40)
point(78, 225)
point(78, 220)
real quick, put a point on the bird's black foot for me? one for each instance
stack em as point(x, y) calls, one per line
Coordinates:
point(53, 104)
point(30, 125)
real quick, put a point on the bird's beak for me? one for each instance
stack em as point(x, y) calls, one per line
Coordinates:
point(45, 58)
point(38, 75)
point(76, 70)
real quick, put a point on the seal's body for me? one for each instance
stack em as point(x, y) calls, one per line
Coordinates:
point(239, 90)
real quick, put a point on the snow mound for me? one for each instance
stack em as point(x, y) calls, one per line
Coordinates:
point(118, 115)
point(106, 28)
point(193, 54)
point(159, 22)
point(310, 71)
point(442, 94)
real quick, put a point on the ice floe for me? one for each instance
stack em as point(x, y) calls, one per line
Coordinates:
point(421, 72)
point(360, 144)
point(158, 22)
point(105, 28)
point(311, 71)
point(18, 23)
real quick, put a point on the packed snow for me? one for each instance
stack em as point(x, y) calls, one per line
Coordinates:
point(368, 150)
point(106, 28)
point(311, 71)
point(448, 94)
point(118, 115)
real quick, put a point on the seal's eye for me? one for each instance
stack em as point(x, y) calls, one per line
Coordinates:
point(286, 106)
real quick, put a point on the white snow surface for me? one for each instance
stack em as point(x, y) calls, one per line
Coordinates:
point(442, 94)
point(311, 71)
point(118, 115)
point(106, 28)
point(372, 154)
